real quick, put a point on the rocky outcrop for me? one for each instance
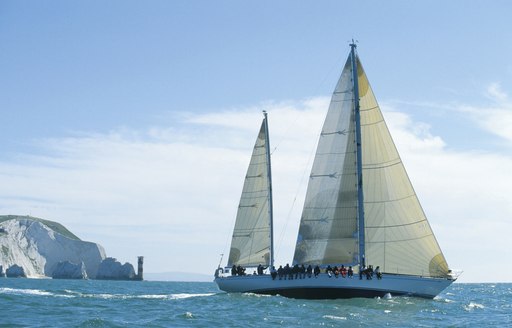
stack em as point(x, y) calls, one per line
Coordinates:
point(39, 245)
point(15, 271)
point(2, 274)
point(68, 270)
point(111, 269)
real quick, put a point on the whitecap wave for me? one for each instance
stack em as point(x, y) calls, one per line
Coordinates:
point(443, 300)
point(257, 295)
point(472, 306)
point(73, 294)
point(183, 296)
point(153, 297)
point(334, 317)
point(16, 291)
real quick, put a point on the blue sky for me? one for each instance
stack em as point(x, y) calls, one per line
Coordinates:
point(132, 122)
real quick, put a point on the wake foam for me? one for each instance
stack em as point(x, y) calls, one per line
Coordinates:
point(16, 291)
point(74, 294)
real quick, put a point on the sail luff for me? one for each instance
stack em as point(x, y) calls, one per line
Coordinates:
point(360, 196)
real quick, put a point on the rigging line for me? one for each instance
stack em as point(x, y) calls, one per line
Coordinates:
point(334, 68)
point(307, 167)
point(302, 181)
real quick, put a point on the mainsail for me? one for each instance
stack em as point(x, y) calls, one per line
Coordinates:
point(397, 235)
point(251, 243)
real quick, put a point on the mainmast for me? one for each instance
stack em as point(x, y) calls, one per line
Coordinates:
point(360, 199)
point(270, 205)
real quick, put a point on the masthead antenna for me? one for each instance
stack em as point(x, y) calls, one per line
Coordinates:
point(353, 44)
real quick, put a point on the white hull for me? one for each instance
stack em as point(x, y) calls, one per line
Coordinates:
point(325, 287)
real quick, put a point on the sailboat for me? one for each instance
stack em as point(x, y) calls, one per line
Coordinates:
point(360, 212)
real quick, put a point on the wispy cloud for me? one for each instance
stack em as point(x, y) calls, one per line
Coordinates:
point(496, 118)
point(170, 192)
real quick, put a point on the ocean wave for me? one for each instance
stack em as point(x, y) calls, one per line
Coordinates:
point(472, 306)
point(134, 296)
point(333, 317)
point(30, 303)
point(257, 295)
point(16, 291)
point(75, 294)
point(188, 315)
point(183, 296)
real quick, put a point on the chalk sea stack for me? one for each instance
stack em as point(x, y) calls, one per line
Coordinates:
point(69, 270)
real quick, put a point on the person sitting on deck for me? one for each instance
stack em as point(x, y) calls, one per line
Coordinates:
point(309, 271)
point(343, 271)
point(350, 272)
point(234, 270)
point(328, 270)
point(302, 271)
point(336, 271)
point(288, 272)
point(316, 271)
point(369, 272)
point(296, 271)
point(273, 273)
point(280, 272)
point(378, 273)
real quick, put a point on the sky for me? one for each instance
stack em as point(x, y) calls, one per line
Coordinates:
point(132, 122)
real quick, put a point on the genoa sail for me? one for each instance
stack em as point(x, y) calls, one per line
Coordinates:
point(252, 235)
point(397, 235)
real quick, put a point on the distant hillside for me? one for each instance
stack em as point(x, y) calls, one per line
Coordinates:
point(55, 226)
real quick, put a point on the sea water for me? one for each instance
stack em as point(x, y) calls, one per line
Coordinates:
point(94, 303)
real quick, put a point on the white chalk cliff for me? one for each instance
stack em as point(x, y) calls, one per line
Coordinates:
point(39, 245)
